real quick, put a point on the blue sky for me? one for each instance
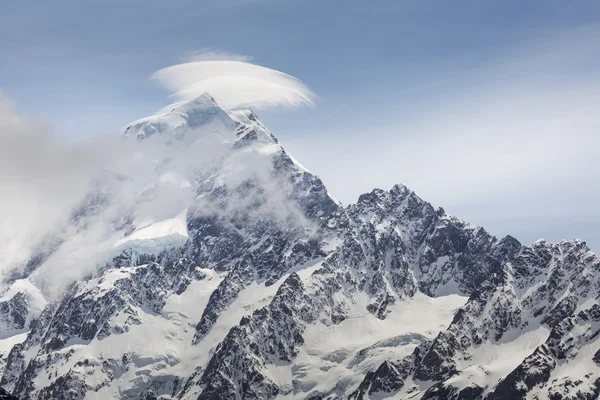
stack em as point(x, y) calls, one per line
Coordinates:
point(486, 108)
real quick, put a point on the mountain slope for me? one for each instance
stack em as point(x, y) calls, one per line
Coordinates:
point(229, 271)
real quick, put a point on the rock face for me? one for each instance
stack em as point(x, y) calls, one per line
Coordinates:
point(13, 313)
point(278, 291)
point(541, 299)
point(4, 395)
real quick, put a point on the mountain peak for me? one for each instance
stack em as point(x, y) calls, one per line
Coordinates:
point(202, 111)
point(203, 101)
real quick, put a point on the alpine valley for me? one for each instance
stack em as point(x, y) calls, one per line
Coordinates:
point(232, 273)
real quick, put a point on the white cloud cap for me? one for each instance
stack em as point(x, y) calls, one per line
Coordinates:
point(234, 82)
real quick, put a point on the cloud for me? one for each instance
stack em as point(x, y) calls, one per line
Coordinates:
point(41, 177)
point(45, 177)
point(234, 82)
point(82, 199)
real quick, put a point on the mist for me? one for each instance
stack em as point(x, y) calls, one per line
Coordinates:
point(82, 203)
point(42, 177)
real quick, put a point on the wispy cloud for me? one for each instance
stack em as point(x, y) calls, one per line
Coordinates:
point(234, 82)
point(41, 177)
point(81, 199)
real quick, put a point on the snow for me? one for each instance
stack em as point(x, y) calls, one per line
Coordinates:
point(330, 357)
point(585, 305)
point(109, 279)
point(34, 295)
point(447, 288)
point(170, 227)
point(160, 345)
point(491, 362)
point(36, 302)
point(6, 344)
point(201, 112)
point(298, 164)
point(580, 365)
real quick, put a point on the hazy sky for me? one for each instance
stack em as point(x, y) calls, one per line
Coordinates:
point(489, 109)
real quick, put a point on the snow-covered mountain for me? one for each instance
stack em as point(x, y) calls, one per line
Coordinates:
point(210, 264)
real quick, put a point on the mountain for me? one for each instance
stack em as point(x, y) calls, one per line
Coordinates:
point(210, 264)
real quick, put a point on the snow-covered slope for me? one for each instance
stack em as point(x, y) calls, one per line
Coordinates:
point(213, 265)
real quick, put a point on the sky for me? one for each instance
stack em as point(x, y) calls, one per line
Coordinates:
point(489, 109)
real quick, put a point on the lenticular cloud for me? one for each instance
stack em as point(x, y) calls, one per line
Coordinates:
point(234, 82)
